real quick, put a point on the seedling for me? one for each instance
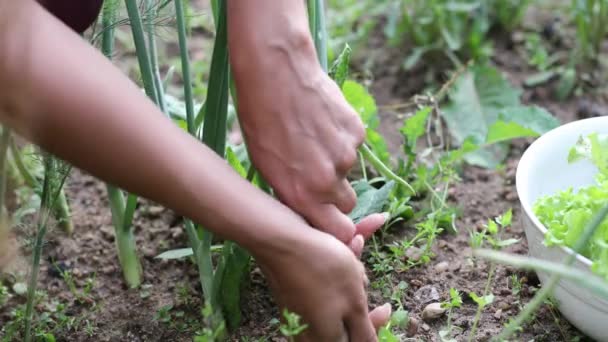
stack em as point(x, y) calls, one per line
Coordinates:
point(454, 303)
point(292, 327)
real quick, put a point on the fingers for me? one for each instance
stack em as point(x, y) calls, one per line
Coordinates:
point(356, 245)
point(345, 197)
point(358, 322)
point(332, 221)
point(369, 225)
point(380, 316)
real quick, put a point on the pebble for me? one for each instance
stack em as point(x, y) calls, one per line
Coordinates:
point(432, 312)
point(412, 328)
point(504, 306)
point(442, 267)
point(108, 269)
point(426, 294)
point(155, 210)
point(176, 232)
point(511, 196)
point(498, 314)
point(426, 327)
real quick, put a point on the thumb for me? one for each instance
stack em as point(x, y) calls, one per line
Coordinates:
point(380, 316)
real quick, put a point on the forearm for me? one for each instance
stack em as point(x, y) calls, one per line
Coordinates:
point(70, 100)
point(270, 42)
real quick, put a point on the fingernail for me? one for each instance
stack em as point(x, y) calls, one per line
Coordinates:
point(387, 307)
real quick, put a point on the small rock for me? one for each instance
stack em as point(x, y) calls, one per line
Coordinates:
point(432, 312)
point(511, 196)
point(107, 232)
point(504, 306)
point(442, 267)
point(76, 272)
point(498, 314)
point(155, 210)
point(412, 327)
point(108, 269)
point(426, 327)
point(176, 232)
point(149, 252)
point(426, 294)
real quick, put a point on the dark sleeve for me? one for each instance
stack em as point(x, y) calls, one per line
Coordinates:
point(77, 14)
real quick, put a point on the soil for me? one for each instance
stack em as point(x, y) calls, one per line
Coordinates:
point(116, 313)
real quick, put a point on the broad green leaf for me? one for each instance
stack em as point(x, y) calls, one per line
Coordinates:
point(339, 70)
point(476, 100)
point(415, 126)
point(369, 199)
point(385, 335)
point(400, 319)
point(502, 131)
point(175, 254)
point(485, 108)
point(236, 267)
point(362, 101)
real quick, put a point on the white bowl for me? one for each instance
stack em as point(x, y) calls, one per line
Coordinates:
point(544, 170)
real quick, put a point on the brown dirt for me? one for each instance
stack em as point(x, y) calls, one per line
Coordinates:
point(119, 314)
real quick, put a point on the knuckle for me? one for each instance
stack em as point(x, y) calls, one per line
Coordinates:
point(325, 178)
point(347, 160)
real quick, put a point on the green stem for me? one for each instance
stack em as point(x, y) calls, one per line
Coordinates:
point(318, 29)
point(125, 240)
point(122, 213)
point(47, 200)
point(151, 13)
point(205, 266)
point(183, 50)
point(143, 58)
point(480, 307)
point(548, 288)
point(383, 169)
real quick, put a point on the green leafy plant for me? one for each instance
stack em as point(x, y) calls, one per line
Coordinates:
point(590, 17)
point(454, 303)
point(558, 271)
point(55, 174)
point(491, 236)
point(457, 29)
point(292, 326)
point(485, 110)
point(566, 213)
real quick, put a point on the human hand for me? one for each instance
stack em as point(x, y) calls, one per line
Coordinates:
point(303, 140)
point(320, 279)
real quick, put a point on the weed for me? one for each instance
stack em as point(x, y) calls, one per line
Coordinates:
point(292, 326)
point(454, 303)
point(491, 236)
